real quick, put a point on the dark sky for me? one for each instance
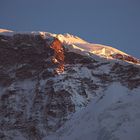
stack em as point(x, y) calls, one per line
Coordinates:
point(109, 22)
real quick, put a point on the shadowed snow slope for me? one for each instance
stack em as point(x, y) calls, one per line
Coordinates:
point(116, 116)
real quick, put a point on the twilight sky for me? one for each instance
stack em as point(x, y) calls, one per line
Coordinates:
point(110, 22)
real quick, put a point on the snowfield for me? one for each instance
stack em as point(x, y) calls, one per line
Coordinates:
point(113, 116)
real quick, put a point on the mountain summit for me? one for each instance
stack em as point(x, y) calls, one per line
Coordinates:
point(76, 44)
point(60, 87)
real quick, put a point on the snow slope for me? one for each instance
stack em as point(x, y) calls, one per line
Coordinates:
point(114, 116)
point(78, 43)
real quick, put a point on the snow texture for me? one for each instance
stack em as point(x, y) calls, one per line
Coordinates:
point(113, 116)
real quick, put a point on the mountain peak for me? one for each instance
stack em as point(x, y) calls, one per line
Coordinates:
point(77, 45)
point(45, 80)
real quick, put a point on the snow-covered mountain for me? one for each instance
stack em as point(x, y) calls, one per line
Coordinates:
point(60, 87)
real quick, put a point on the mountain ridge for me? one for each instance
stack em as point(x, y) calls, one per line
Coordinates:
point(74, 43)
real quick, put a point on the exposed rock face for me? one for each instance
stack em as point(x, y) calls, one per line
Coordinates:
point(58, 57)
point(42, 84)
point(126, 58)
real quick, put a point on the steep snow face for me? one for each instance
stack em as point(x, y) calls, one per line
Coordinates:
point(82, 45)
point(114, 116)
point(68, 39)
point(78, 45)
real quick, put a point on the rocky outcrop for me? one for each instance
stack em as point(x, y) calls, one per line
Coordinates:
point(126, 58)
point(58, 57)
